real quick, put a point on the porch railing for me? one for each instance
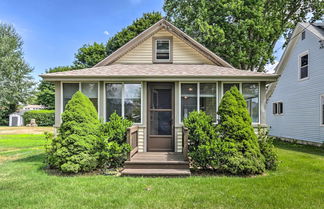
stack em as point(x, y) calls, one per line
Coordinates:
point(132, 140)
point(185, 134)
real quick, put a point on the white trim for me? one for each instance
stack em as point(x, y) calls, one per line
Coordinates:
point(321, 110)
point(123, 99)
point(299, 65)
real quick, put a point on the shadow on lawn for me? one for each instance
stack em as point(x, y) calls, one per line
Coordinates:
point(32, 158)
point(299, 147)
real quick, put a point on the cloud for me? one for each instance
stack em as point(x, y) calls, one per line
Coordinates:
point(270, 68)
point(106, 33)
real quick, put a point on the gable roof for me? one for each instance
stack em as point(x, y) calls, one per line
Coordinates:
point(315, 28)
point(163, 24)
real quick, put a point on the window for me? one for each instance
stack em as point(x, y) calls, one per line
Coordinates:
point(303, 71)
point(303, 35)
point(202, 93)
point(250, 93)
point(162, 51)
point(91, 91)
point(68, 90)
point(277, 108)
point(125, 100)
point(322, 110)
point(188, 99)
point(228, 86)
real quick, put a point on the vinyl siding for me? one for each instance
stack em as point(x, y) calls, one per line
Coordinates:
point(301, 99)
point(182, 52)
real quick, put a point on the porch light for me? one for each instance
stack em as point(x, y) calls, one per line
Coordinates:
point(190, 89)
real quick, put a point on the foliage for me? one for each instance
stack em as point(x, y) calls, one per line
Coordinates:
point(267, 148)
point(42, 117)
point(15, 79)
point(241, 146)
point(131, 31)
point(46, 90)
point(202, 138)
point(243, 32)
point(114, 147)
point(76, 147)
point(89, 55)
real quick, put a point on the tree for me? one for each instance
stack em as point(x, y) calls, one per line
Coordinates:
point(75, 149)
point(15, 79)
point(243, 32)
point(46, 90)
point(131, 31)
point(240, 152)
point(89, 55)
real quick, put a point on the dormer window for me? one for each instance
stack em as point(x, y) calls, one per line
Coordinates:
point(162, 50)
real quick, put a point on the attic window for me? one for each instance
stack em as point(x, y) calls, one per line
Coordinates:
point(303, 35)
point(162, 50)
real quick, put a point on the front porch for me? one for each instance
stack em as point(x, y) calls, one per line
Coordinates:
point(156, 163)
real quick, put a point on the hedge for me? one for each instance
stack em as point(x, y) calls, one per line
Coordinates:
point(42, 117)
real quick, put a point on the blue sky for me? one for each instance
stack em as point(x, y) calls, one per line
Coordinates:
point(54, 30)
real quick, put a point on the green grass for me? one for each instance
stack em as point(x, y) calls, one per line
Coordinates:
point(298, 183)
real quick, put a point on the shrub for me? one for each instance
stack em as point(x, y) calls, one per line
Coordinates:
point(114, 145)
point(267, 148)
point(240, 152)
point(202, 138)
point(76, 149)
point(42, 117)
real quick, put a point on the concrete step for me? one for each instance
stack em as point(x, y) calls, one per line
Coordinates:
point(156, 172)
point(149, 164)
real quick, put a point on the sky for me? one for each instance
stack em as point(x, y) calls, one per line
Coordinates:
point(54, 30)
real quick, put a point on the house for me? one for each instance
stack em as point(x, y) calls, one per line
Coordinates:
point(295, 105)
point(16, 119)
point(156, 80)
point(33, 107)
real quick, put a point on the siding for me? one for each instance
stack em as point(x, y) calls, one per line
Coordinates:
point(182, 53)
point(301, 99)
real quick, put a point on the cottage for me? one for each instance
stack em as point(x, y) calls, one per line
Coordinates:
point(156, 80)
point(295, 105)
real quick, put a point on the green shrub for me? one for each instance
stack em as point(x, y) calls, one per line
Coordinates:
point(240, 152)
point(114, 145)
point(267, 148)
point(77, 146)
point(202, 138)
point(42, 117)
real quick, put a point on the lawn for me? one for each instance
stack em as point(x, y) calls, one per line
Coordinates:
point(298, 183)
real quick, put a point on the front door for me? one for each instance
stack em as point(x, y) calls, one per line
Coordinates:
point(160, 117)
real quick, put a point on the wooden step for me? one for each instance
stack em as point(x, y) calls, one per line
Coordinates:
point(156, 172)
point(149, 164)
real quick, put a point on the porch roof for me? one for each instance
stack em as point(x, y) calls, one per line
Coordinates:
point(170, 71)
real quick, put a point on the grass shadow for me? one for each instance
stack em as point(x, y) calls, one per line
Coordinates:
point(299, 147)
point(32, 158)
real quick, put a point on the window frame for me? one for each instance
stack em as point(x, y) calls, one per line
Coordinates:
point(240, 84)
point(198, 96)
point(123, 98)
point(80, 89)
point(321, 110)
point(154, 49)
point(299, 65)
point(277, 111)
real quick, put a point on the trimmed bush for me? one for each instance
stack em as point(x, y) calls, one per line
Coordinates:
point(114, 145)
point(240, 149)
point(267, 148)
point(77, 146)
point(42, 117)
point(202, 139)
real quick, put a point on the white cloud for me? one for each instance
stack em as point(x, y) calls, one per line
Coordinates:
point(106, 33)
point(270, 68)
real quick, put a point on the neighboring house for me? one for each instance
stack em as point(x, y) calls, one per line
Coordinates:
point(33, 107)
point(295, 105)
point(16, 119)
point(156, 80)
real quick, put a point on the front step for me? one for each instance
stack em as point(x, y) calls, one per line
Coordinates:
point(156, 172)
point(156, 164)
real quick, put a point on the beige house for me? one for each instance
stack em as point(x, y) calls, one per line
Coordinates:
point(156, 80)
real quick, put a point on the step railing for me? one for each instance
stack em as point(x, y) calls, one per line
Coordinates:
point(132, 140)
point(185, 134)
